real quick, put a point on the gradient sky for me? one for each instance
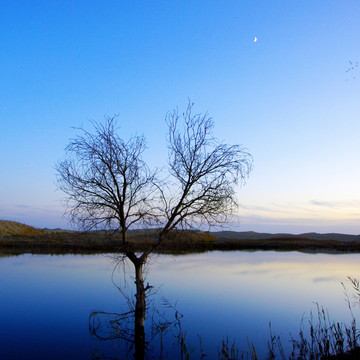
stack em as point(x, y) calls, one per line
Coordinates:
point(288, 97)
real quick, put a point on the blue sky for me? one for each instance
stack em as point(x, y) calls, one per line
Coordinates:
point(286, 97)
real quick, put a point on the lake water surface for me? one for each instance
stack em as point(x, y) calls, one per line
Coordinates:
point(46, 300)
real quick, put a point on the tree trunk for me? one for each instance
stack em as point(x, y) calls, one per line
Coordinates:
point(139, 313)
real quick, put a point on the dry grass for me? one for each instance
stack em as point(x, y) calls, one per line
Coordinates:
point(18, 236)
point(12, 228)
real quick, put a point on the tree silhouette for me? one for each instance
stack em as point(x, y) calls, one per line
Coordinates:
point(108, 185)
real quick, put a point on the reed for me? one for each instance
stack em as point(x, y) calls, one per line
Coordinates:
point(321, 338)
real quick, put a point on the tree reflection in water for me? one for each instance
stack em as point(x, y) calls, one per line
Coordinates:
point(161, 338)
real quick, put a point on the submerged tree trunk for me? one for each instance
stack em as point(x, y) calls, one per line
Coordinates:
point(140, 308)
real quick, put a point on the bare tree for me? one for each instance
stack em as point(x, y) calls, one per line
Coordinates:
point(205, 173)
point(109, 185)
point(107, 182)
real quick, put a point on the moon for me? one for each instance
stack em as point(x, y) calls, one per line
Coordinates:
point(255, 39)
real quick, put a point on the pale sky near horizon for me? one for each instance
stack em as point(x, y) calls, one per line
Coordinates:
point(287, 97)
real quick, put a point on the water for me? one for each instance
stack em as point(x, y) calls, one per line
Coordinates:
point(46, 300)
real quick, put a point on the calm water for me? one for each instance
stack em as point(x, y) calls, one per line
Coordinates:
point(46, 300)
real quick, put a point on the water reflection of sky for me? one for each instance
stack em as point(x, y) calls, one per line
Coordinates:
point(46, 300)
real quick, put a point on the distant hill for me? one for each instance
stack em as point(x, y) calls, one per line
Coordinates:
point(12, 228)
point(8, 228)
point(251, 235)
point(24, 238)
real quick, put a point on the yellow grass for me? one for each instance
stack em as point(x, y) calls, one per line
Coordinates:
point(8, 228)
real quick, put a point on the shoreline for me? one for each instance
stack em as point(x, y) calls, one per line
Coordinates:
point(193, 242)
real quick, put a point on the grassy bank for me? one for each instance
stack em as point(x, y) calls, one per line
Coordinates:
point(21, 238)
